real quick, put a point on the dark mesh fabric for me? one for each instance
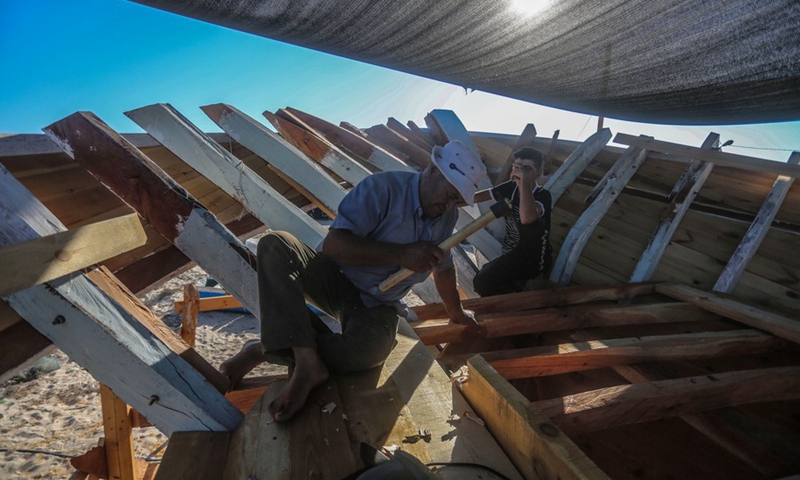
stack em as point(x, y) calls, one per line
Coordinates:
point(660, 61)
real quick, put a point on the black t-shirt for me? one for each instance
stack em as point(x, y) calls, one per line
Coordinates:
point(535, 237)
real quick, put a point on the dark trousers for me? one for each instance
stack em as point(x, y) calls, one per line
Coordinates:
point(509, 272)
point(289, 273)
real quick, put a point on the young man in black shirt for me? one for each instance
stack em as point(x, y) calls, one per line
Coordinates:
point(526, 246)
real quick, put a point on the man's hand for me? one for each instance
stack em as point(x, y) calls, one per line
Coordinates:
point(466, 317)
point(421, 256)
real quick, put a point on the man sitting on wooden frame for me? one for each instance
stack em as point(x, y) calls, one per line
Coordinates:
point(389, 220)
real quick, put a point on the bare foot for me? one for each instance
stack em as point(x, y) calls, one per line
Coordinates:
point(309, 372)
point(249, 357)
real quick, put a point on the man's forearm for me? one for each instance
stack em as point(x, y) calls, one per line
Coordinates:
point(447, 287)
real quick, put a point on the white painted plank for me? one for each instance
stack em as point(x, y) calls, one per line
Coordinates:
point(186, 141)
point(578, 236)
point(755, 234)
point(575, 164)
point(278, 153)
point(105, 339)
point(692, 181)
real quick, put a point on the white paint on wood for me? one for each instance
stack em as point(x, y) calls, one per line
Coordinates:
point(344, 166)
point(575, 164)
point(118, 351)
point(692, 181)
point(186, 141)
point(578, 236)
point(755, 234)
point(281, 155)
point(208, 243)
point(104, 338)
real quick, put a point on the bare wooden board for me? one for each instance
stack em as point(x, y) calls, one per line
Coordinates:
point(195, 456)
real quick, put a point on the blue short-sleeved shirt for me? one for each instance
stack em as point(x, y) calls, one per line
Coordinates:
point(385, 207)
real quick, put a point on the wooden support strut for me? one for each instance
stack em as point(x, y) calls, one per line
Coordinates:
point(177, 216)
point(558, 183)
point(755, 234)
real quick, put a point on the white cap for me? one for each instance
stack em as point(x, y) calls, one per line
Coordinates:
point(460, 167)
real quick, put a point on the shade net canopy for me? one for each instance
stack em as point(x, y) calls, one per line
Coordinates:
point(656, 61)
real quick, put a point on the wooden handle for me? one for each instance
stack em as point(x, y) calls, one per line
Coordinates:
point(445, 245)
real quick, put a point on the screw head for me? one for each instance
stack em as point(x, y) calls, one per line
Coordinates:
point(59, 320)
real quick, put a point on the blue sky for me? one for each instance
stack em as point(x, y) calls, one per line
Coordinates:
point(110, 56)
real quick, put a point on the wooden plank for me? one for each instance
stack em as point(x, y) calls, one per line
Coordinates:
point(125, 355)
point(351, 142)
point(161, 202)
point(118, 435)
point(401, 146)
point(645, 402)
point(548, 158)
point(411, 392)
point(526, 139)
point(195, 456)
point(422, 135)
point(755, 234)
point(209, 304)
point(535, 445)
point(576, 357)
point(541, 298)
point(46, 258)
point(186, 141)
point(191, 300)
point(320, 150)
point(320, 188)
point(112, 287)
point(575, 164)
point(717, 157)
point(421, 141)
point(775, 324)
point(683, 194)
point(578, 236)
point(496, 325)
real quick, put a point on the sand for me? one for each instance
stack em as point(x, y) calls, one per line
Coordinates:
point(57, 414)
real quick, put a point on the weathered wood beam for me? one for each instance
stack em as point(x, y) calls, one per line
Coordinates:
point(195, 455)
point(421, 141)
point(421, 134)
point(306, 174)
point(775, 324)
point(683, 194)
point(575, 357)
point(191, 301)
point(209, 304)
point(402, 147)
point(20, 144)
point(320, 150)
point(124, 353)
point(118, 435)
point(163, 203)
point(717, 157)
point(192, 146)
point(563, 318)
point(526, 139)
point(43, 259)
point(560, 181)
point(536, 446)
point(645, 402)
point(553, 297)
point(548, 158)
point(755, 234)
point(351, 142)
point(613, 183)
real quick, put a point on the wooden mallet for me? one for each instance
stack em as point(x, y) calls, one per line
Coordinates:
point(500, 209)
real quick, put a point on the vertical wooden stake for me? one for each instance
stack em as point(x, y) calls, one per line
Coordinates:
point(118, 436)
point(191, 306)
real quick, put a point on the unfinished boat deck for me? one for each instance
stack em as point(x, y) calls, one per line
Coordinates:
point(667, 329)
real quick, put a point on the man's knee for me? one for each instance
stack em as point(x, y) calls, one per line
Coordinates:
point(271, 242)
point(481, 285)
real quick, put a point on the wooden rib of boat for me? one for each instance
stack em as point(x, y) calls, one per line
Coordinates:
point(695, 373)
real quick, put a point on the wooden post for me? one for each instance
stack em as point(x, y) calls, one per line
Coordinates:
point(578, 236)
point(575, 164)
point(755, 234)
point(548, 158)
point(191, 301)
point(683, 194)
point(169, 208)
point(118, 436)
